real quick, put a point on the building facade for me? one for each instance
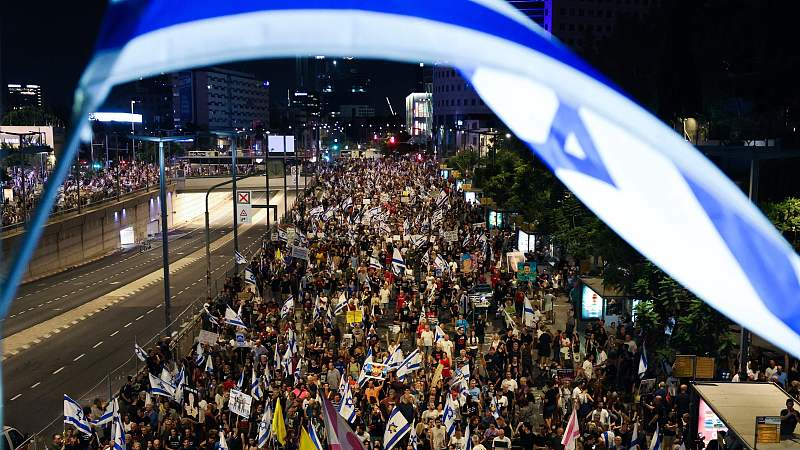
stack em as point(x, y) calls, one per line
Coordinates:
point(23, 95)
point(419, 114)
point(350, 112)
point(219, 99)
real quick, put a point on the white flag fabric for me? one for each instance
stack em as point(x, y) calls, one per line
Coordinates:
point(234, 318)
point(528, 318)
point(264, 427)
point(635, 436)
point(413, 440)
point(240, 259)
point(73, 415)
point(287, 307)
point(223, 444)
point(572, 431)
point(655, 443)
point(118, 433)
point(139, 352)
point(159, 386)
point(398, 263)
point(438, 334)
point(642, 362)
point(449, 415)
point(411, 363)
point(108, 414)
point(249, 276)
point(396, 428)
point(347, 407)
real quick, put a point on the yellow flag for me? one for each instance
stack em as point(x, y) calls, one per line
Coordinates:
point(278, 425)
point(305, 440)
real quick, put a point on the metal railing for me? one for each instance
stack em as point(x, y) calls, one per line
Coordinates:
point(188, 323)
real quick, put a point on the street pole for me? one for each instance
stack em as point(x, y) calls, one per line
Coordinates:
point(233, 180)
point(744, 339)
point(266, 174)
point(285, 187)
point(208, 235)
point(164, 240)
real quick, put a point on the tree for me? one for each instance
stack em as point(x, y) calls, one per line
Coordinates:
point(785, 215)
point(31, 115)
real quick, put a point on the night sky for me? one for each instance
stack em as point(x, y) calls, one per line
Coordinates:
point(49, 43)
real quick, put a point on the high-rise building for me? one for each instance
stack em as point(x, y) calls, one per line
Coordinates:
point(154, 97)
point(23, 95)
point(419, 114)
point(350, 112)
point(220, 99)
point(581, 23)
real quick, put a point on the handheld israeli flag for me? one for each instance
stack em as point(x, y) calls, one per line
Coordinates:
point(655, 443)
point(139, 352)
point(240, 259)
point(118, 434)
point(362, 376)
point(199, 357)
point(255, 385)
point(441, 264)
point(249, 276)
point(209, 365)
point(180, 384)
point(426, 259)
point(528, 318)
point(108, 414)
point(394, 359)
point(449, 415)
point(411, 363)
point(347, 407)
point(312, 436)
point(396, 428)
point(635, 436)
point(291, 341)
point(223, 444)
point(413, 440)
point(494, 407)
point(374, 263)
point(287, 307)
point(468, 439)
point(398, 263)
point(240, 382)
point(640, 177)
point(264, 427)
point(234, 318)
point(438, 334)
point(341, 305)
point(159, 386)
point(642, 362)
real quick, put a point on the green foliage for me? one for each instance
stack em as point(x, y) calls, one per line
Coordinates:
point(465, 161)
point(31, 115)
point(785, 215)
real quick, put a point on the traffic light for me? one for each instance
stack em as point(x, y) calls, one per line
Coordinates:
point(392, 140)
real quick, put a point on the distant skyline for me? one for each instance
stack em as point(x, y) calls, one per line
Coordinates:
point(52, 47)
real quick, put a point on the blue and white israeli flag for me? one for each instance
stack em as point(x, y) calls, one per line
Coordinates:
point(396, 428)
point(118, 433)
point(264, 427)
point(240, 259)
point(234, 318)
point(438, 334)
point(249, 277)
point(411, 363)
point(108, 414)
point(650, 185)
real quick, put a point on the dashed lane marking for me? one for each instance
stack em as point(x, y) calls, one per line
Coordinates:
point(35, 384)
point(15, 397)
point(58, 370)
point(98, 344)
point(79, 357)
point(113, 334)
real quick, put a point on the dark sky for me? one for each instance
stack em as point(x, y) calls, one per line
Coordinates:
point(49, 43)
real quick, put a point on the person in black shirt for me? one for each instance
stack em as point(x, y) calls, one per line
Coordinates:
point(789, 419)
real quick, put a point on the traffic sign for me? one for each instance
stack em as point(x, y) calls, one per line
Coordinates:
point(244, 210)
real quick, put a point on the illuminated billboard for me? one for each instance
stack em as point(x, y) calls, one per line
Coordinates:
point(591, 304)
point(115, 117)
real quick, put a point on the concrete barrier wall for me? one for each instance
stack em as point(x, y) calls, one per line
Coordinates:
point(76, 239)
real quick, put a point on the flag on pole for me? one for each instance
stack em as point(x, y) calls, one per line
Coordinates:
point(438, 334)
point(413, 440)
point(341, 304)
point(309, 439)
point(287, 307)
point(412, 362)
point(362, 376)
point(211, 317)
point(655, 443)
point(159, 386)
point(441, 264)
point(264, 426)
point(140, 352)
point(118, 433)
point(528, 318)
point(396, 428)
point(199, 357)
point(249, 276)
point(278, 424)
point(255, 385)
point(340, 435)
point(398, 263)
point(180, 384)
point(223, 444)
point(347, 407)
point(234, 318)
point(468, 439)
point(394, 359)
point(449, 414)
point(108, 414)
point(73, 415)
point(642, 362)
point(209, 365)
point(240, 259)
point(374, 263)
point(635, 436)
point(572, 431)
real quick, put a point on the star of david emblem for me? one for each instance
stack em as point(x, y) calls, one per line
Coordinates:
point(393, 428)
point(349, 402)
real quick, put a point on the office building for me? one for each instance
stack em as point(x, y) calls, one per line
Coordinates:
point(23, 95)
point(419, 114)
point(219, 99)
point(350, 112)
point(153, 97)
point(581, 24)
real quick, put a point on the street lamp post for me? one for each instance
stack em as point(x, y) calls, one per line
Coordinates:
point(162, 197)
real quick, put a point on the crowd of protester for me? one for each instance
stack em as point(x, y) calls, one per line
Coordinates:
point(363, 275)
point(84, 188)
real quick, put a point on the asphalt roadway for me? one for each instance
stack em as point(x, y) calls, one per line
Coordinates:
point(76, 360)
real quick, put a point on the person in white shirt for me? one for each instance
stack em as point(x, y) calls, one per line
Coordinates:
point(476, 443)
point(509, 383)
point(501, 441)
point(588, 367)
point(427, 341)
point(446, 345)
point(601, 416)
point(458, 440)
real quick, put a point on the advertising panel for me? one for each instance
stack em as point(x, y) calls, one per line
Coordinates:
point(591, 304)
point(708, 424)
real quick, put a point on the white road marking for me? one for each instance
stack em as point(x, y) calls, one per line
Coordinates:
point(140, 317)
point(98, 344)
point(59, 370)
point(36, 384)
point(15, 397)
point(128, 324)
point(79, 357)
point(113, 334)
